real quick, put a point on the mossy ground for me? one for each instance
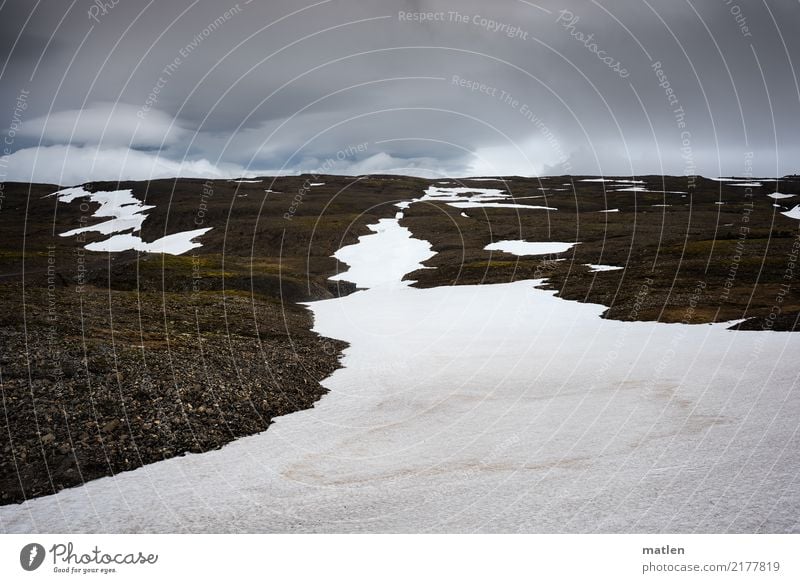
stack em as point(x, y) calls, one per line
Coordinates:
point(111, 361)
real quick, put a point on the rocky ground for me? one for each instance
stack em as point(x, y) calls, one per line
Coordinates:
point(112, 361)
point(694, 260)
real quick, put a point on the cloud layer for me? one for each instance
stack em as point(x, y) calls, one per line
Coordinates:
point(430, 87)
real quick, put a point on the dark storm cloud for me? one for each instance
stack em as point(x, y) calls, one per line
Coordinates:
point(631, 87)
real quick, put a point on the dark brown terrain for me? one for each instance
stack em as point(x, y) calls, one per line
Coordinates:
point(738, 254)
point(112, 361)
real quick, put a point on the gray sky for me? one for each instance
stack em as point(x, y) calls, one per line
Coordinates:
point(201, 88)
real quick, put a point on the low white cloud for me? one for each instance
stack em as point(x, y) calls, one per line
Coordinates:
point(383, 163)
point(68, 165)
point(110, 124)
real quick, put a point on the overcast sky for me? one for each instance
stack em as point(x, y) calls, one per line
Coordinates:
point(200, 88)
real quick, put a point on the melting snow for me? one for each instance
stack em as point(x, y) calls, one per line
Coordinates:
point(127, 214)
point(778, 195)
point(529, 247)
point(595, 268)
point(175, 244)
point(632, 189)
point(794, 213)
point(611, 180)
point(383, 258)
point(455, 193)
point(478, 198)
point(126, 211)
point(499, 205)
point(643, 189)
point(487, 408)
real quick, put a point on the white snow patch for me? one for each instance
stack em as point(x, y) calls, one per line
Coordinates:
point(468, 198)
point(317, 184)
point(465, 215)
point(745, 184)
point(126, 211)
point(778, 195)
point(127, 216)
point(247, 181)
point(504, 205)
point(643, 189)
point(609, 211)
point(175, 244)
point(491, 408)
point(595, 268)
point(456, 193)
point(383, 258)
point(794, 213)
point(529, 247)
point(619, 180)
